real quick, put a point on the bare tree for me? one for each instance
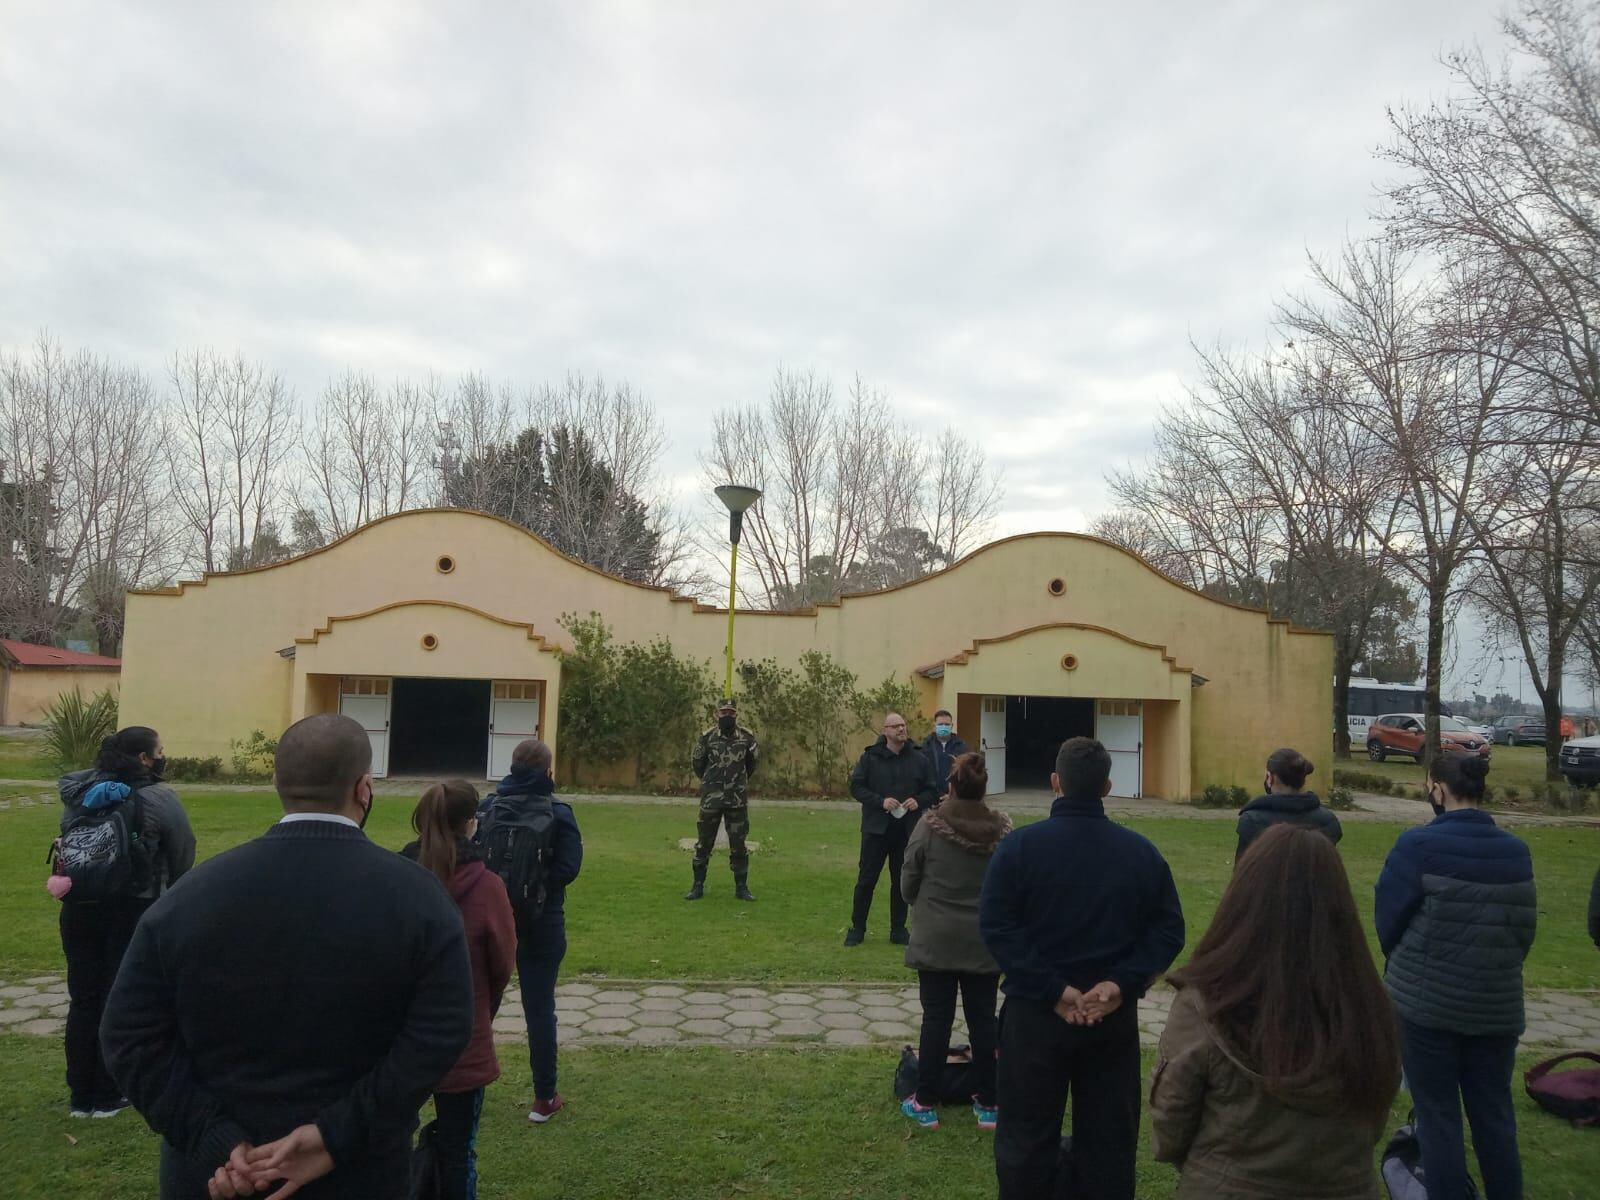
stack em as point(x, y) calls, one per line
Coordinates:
point(366, 452)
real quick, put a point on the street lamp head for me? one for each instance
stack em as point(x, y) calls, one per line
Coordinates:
point(736, 498)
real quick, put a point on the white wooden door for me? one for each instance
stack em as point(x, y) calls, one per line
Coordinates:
point(992, 741)
point(1119, 724)
point(513, 717)
point(366, 699)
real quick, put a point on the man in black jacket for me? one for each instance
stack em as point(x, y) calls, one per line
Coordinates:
point(941, 748)
point(893, 784)
point(285, 1010)
point(1594, 910)
point(1082, 915)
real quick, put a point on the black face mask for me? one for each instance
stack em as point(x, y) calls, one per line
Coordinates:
point(158, 766)
point(371, 798)
point(727, 723)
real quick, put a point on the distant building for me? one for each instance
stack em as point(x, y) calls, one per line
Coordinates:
point(438, 630)
point(33, 677)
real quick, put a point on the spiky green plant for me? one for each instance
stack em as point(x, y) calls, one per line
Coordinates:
point(75, 727)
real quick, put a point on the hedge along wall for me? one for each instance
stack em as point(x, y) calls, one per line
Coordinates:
point(630, 714)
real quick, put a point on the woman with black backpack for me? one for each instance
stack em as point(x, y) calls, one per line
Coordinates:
point(125, 839)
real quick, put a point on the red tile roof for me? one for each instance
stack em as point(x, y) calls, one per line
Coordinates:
point(26, 654)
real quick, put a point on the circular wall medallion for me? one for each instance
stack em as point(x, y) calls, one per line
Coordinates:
point(429, 642)
point(1069, 662)
point(1057, 586)
point(446, 564)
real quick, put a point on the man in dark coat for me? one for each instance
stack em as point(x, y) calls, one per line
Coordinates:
point(941, 748)
point(284, 1011)
point(1594, 910)
point(893, 783)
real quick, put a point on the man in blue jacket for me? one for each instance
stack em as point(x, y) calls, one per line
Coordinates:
point(1082, 916)
point(527, 797)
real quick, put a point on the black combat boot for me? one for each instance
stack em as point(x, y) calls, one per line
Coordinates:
point(698, 888)
point(741, 886)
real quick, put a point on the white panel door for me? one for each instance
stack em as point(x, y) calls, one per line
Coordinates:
point(513, 717)
point(1119, 724)
point(367, 701)
point(992, 741)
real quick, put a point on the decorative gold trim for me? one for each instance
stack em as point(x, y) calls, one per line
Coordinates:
point(960, 659)
point(323, 630)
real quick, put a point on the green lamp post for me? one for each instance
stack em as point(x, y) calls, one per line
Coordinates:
point(736, 499)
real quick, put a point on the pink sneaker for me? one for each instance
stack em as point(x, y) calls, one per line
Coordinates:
point(543, 1110)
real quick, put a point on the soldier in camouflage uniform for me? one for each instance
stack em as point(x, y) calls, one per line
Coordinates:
point(724, 759)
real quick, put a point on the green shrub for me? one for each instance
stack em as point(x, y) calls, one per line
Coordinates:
point(252, 757)
point(75, 727)
point(1238, 796)
point(1214, 795)
point(1363, 781)
point(1511, 794)
point(194, 770)
point(1341, 799)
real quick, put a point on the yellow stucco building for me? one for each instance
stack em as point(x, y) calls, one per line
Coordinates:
point(33, 677)
point(438, 630)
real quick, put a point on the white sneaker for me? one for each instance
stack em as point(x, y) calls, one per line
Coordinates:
point(101, 1114)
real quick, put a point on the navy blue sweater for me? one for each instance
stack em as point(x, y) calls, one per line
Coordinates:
point(1076, 900)
point(566, 843)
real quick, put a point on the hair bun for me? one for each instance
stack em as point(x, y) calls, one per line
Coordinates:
point(1475, 768)
point(1311, 767)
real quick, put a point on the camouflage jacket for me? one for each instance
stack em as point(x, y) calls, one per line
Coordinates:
point(724, 765)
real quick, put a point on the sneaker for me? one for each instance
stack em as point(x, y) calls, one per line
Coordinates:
point(101, 1114)
point(853, 937)
point(899, 937)
point(988, 1116)
point(543, 1110)
point(927, 1118)
point(82, 1114)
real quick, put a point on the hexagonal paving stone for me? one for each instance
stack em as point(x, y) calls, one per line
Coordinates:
point(657, 1019)
point(891, 1031)
point(743, 1037)
point(42, 1027)
point(797, 1029)
point(654, 1035)
point(751, 1020)
point(848, 1037)
point(849, 1020)
point(33, 1000)
point(884, 1014)
point(39, 981)
point(13, 1016)
point(793, 998)
point(876, 1000)
point(611, 1012)
point(748, 992)
point(832, 993)
point(834, 1004)
point(704, 1028)
point(706, 998)
point(566, 1001)
point(704, 1012)
point(660, 1004)
point(509, 1025)
point(664, 990)
point(15, 990)
point(794, 1012)
point(607, 1025)
point(576, 989)
point(616, 997)
point(749, 1004)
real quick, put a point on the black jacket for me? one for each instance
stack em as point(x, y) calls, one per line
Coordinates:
point(940, 757)
point(307, 976)
point(1297, 808)
point(523, 786)
point(1075, 900)
point(905, 776)
point(1594, 910)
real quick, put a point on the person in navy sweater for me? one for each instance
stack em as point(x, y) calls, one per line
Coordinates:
point(1082, 916)
point(522, 796)
point(1456, 909)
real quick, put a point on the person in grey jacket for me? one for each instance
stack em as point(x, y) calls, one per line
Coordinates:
point(1456, 910)
point(95, 935)
point(941, 879)
point(1285, 799)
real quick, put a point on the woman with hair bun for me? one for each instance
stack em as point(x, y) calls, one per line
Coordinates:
point(1285, 799)
point(1456, 909)
point(946, 858)
point(122, 791)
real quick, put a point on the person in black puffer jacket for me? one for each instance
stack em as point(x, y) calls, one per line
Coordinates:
point(1456, 910)
point(1285, 800)
point(893, 783)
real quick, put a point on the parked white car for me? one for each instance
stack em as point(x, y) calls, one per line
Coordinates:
point(1580, 761)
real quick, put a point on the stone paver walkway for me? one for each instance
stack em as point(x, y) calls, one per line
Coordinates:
point(644, 1012)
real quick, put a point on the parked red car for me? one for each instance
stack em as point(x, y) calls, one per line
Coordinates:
point(1402, 733)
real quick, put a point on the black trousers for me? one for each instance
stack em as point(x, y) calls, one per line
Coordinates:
point(939, 1016)
point(877, 849)
point(1446, 1071)
point(94, 938)
point(456, 1140)
point(1042, 1060)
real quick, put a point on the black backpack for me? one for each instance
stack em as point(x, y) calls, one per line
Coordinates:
point(101, 851)
point(956, 1081)
point(1401, 1166)
point(518, 842)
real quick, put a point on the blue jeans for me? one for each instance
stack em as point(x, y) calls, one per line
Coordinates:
point(1445, 1071)
point(456, 1141)
point(539, 954)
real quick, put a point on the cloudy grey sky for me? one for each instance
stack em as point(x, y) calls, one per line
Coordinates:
point(1010, 216)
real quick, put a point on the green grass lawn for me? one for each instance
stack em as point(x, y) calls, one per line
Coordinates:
point(22, 756)
point(625, 917)
point(1521, 767)
point(669, 1124)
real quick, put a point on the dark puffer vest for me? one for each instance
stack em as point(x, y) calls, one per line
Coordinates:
point(1296, 808)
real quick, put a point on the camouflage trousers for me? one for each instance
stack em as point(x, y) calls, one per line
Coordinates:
point(737, 817)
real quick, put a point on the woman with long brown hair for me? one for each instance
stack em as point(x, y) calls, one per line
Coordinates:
point(445, 819)
point(1281, 1055)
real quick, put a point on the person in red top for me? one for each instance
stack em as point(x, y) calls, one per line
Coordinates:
point(445, 819)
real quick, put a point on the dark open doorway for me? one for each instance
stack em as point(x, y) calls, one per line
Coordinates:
point(1035, 728)
point(439, 727)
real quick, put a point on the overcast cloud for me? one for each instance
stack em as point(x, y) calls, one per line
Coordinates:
point(1013, 217)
